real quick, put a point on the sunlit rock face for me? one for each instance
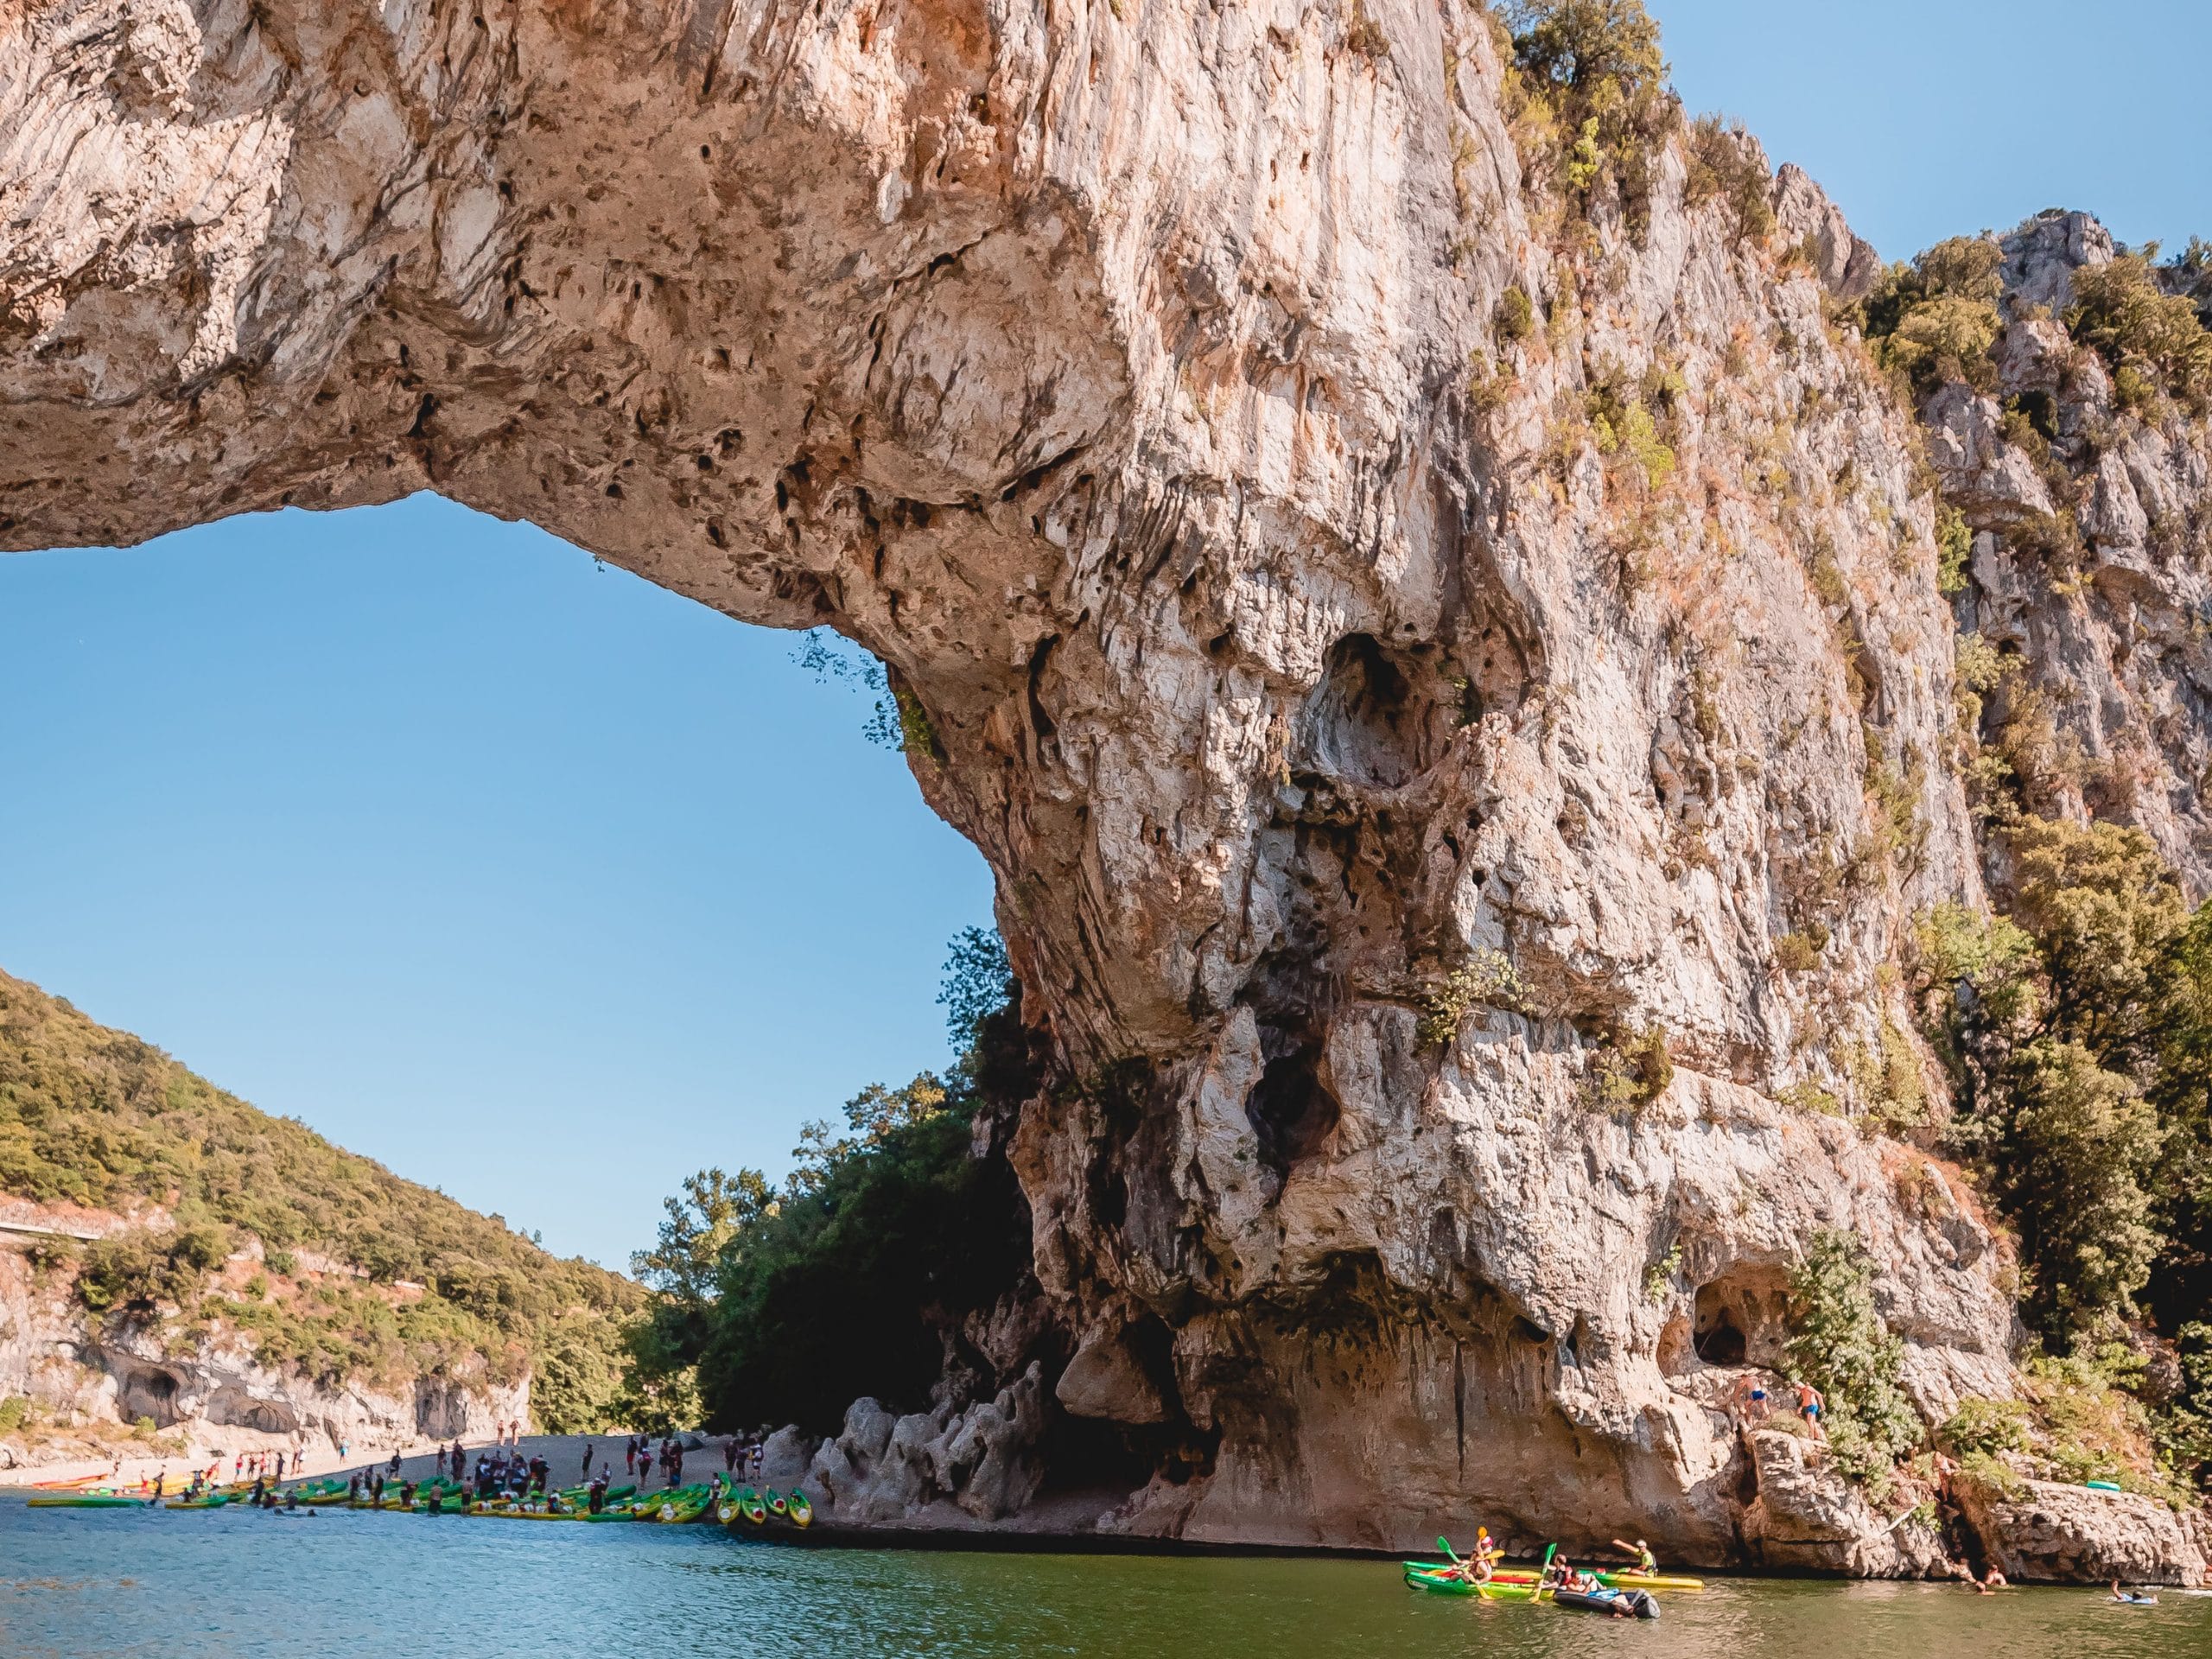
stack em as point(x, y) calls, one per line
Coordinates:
point(1290, 628)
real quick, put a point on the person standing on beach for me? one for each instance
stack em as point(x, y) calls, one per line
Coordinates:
point(587, 1468)
point(730, 1455)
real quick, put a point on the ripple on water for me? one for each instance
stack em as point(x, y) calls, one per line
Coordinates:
point(343, 1584)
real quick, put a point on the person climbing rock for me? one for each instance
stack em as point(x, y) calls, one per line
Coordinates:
point(1808, 1407)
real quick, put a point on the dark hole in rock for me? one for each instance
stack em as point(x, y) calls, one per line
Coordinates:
point(1741, 1318)
point(1362, 724)
point(1291, 1112)
point(1721, 1342)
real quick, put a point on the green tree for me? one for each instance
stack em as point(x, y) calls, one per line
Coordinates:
point(1576, 46)
point(2102, 907)
point(2082, 1147)
point(977, 982)
point(1590, 74)
point(1935, 319)
point(1839, 1344)
point(2051, 1020)
point(785, 1304)
point(2181, 1090)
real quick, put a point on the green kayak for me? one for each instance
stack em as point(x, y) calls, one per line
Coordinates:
point(801, 1508)
point(92, 1500)
point(1420, 1577)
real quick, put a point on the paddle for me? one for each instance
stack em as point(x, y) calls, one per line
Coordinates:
point(1549, 1550)
point(1445, 1544)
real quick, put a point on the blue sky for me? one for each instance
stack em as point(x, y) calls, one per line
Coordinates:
point(1932, 118)
point(547, 886)
point(526, 877)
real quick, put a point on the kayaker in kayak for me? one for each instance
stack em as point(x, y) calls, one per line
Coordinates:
point(1645, 1560)
point(1476, 1566)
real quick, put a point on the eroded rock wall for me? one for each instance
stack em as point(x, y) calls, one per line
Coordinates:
point(1149, 385)
point(2091, 574)
point(90, 1378)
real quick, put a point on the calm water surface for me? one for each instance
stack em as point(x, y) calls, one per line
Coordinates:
point(346, 1585)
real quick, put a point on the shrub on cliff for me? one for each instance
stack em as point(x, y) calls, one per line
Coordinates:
point(1935, 319)
point(2121, 311)
point(136, 1272)
point(1838, 1343)
point(1588, 94)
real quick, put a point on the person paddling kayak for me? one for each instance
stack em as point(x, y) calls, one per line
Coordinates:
point(1646, 1562)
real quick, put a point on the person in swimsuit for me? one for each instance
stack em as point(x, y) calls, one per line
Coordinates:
point(1808, 1407)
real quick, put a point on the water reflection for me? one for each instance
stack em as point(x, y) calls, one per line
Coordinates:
point(231, 1585)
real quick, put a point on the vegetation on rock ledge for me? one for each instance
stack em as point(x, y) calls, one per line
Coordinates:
point(2078, 1032)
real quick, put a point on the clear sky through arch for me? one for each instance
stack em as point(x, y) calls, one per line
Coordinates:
point(532, 880)
point(547, 886)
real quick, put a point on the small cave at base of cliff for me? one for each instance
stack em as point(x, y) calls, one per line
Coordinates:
point(238, 1409)
point(1741, 1318)
point(1089, 1454)
point(148, 1393)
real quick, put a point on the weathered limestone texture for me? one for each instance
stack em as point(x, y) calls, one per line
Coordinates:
point(2092, 567)
point(2063, 1533)
point(1292, 628)
point(214, 1392)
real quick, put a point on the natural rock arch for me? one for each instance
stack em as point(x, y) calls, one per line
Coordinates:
point(1106, 370)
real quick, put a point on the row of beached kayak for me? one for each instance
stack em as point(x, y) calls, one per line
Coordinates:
point(713, 1500)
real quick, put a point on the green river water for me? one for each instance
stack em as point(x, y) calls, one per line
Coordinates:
point(197, 1584)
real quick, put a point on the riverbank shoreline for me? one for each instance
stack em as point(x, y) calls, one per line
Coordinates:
point(418, 1459)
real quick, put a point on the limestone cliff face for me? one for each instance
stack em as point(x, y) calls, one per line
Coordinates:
point(1320, 577)
point(88, 1380)
point(2092, 569)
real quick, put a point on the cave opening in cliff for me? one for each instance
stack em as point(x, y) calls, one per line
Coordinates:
point(1740, 1317)
point(1291, 1111)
